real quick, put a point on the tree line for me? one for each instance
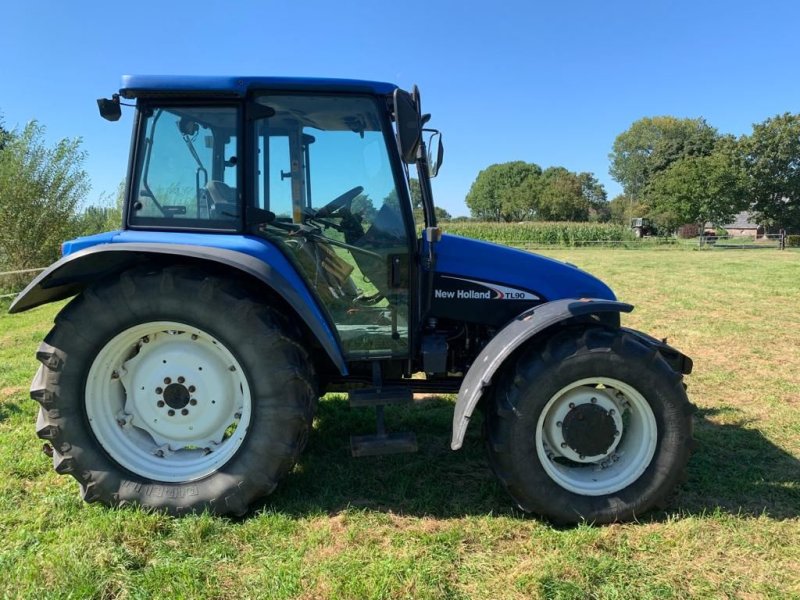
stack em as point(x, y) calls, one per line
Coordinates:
point(674, 171)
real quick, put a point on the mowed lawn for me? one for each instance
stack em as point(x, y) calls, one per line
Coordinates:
point(435, 524)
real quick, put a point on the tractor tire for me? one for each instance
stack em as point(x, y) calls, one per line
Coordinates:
point(590, 425)
point(174, 390)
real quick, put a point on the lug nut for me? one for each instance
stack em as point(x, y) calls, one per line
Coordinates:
point(171, 412)
point(193, 402)
point(146, 339)
point(191, 389)
point(167, 380)
point(160, 404)
point(563, 444)
point(159, 390)
point(572, 405)
point(558, 424)
point(594, 400)
point(185, 412)
point(181, 379)
point(231, 368)
point(194, 336)
point(612, 412)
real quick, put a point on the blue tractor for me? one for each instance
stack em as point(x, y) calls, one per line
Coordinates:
point(271, 252)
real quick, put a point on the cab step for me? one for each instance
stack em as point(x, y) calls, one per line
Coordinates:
point(380, 396)
point(388, 443)
point(382, 441)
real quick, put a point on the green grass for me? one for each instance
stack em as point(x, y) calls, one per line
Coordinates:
point(435, 524)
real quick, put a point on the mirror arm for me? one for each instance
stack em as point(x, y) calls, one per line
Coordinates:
point(425, 185)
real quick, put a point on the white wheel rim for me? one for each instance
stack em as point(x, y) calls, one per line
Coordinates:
point(627, 454)
point(168, 401)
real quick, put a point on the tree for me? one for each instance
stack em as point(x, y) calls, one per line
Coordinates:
point(697, 189)
point(651, 145)
point(363, 205)
point(595, 194)
point(771, 157)
point(489, 197)
point(40, 190)
point(562, 197)
point(5, 134)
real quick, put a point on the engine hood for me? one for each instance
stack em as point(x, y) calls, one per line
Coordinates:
point(547, 278)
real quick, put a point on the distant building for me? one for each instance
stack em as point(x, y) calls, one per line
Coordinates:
point(742, 226)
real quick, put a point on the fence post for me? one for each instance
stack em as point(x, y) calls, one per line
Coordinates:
point(782, 240)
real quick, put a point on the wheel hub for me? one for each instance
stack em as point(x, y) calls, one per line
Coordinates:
point(589, 430)
point(176, 396)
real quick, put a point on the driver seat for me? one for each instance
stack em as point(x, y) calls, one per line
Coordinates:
point(223, 200)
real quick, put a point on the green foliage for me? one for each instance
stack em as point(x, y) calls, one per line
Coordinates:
point(519, 191)
point(771, 155)
point(40, 190)
point(363, 205)
point(793, 241)
point(532, 233)
point(104, 216)
point(494, 195)
point(652, 144)
point(562, 197)
point(697, 189)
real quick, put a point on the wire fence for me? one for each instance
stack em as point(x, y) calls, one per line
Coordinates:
point(5, 274)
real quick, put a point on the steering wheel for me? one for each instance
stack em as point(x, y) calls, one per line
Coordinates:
point(339, 202)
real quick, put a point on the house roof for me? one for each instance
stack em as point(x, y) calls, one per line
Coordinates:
point(742, 221)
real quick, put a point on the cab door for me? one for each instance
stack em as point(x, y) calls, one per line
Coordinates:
point(327, 185)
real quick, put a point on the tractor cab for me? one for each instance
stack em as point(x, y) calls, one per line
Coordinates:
point(316, 172)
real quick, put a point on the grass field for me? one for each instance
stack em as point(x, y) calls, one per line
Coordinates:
point(435, 524)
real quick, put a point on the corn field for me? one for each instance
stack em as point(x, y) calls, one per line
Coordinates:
point(544, 233)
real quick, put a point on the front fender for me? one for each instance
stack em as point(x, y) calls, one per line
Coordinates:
point(512, 336)
point(73, 273)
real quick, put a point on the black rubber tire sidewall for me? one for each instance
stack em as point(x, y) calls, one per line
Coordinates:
point(265, 344)
point(538, 375)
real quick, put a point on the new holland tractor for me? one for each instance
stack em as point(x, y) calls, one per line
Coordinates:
point(270, 253)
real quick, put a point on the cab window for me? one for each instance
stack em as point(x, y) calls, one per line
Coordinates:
point(188, 170)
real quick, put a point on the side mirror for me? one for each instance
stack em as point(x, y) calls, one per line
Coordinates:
point(435, 153)
point(110, 108)
point(409, 125)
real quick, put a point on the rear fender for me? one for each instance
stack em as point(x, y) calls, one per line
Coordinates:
point(73, 273)
point(519, 331)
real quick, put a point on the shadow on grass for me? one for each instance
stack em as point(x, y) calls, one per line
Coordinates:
point(8, 408)
point(735, 469)
point(434, 481)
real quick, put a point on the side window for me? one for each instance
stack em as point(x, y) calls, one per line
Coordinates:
point(188, 170)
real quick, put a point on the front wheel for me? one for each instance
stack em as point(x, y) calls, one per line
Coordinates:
point(175, 390)
point(592, 425)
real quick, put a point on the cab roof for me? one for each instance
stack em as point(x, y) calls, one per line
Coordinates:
point(134, 86)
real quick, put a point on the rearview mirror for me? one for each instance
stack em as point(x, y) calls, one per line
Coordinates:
point(435, 153)
point(110, 108)
point(409, 126)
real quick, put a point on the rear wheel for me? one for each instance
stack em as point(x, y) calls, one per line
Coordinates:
point(174, 390)
point(590, 425)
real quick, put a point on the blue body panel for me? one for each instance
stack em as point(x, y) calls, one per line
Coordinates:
point(251, 246)
point(548, 278)
point(136, 85)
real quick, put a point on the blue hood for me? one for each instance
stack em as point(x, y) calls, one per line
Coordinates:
point(548, 278)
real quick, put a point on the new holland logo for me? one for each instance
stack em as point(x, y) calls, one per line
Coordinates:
point(487, 291)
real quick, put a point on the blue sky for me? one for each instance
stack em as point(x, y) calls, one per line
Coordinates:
point(551, 83)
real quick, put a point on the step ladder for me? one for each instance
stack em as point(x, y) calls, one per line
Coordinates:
point(382, 441)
